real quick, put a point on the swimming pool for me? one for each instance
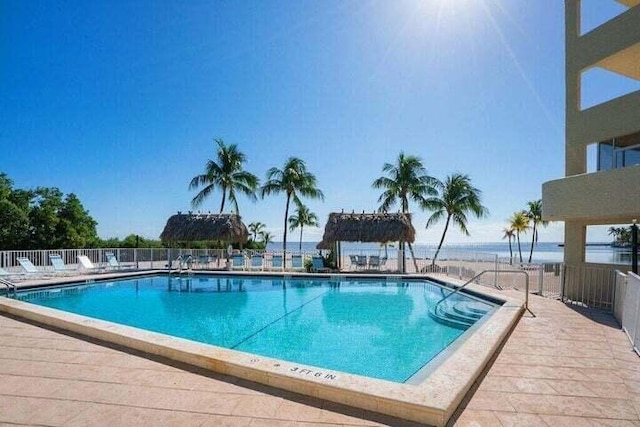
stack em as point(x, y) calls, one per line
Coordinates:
point(377, 328)
point(302, 308)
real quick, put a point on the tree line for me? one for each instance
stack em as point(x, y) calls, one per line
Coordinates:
point(43, 218)
point(46, 218)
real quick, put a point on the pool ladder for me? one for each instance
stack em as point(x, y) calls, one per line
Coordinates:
point(461, 317)
point(496, 272)
point(11, 288)
point(182, 262)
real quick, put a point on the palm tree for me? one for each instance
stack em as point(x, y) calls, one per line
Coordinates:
point(456, 198)
point(266, 238)
point(519, 223)
point(386, 245)
point(225, 173)
point(535, 216)
point(615, 232)
point(302, 217)
point(508, 234)
point(407, 179)
point(621, 236)
point(255, 228)
point(294, 180)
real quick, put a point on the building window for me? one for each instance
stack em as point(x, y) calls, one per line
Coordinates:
point(612, 157)
point(605, 156)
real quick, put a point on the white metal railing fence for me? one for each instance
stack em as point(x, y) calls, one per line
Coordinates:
point(589, 285)
point(545, 278)
point(155, 258)
point(143, 258)
point(620, 291)
point(627, 305)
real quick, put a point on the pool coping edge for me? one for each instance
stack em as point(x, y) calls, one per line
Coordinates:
point(433, 401)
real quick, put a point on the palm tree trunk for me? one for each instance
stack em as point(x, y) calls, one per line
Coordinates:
point(444, 233)
point(413, 257)
point(286, 216)
point(519, 248)
point(224, 196)
point(533, 240)
point(510, 252)
point(405, 208)
point(300, 248)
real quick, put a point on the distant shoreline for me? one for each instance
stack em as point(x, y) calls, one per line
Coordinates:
point(588, 244)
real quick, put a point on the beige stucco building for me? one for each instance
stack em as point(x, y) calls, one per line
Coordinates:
point(610, 194)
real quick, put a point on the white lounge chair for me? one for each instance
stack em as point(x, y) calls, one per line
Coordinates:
point(4, 274)
point(113, 261)
point(59, 267)
point(29, 268)
point(86, 264)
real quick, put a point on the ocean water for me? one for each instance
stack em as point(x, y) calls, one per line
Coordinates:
point(542, 252)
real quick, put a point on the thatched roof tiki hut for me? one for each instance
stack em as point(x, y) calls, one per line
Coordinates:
point(190, 227)
point(367, 227)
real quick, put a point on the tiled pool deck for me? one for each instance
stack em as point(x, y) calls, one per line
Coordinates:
point(562, 367)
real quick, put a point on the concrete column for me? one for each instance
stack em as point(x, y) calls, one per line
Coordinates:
point(575, 150)
point(575, 237)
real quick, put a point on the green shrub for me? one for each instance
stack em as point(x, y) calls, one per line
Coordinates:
point(308, 264)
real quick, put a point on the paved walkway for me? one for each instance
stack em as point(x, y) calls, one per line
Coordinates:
point(562, 367)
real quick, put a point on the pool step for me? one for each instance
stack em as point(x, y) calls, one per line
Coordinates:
point(460, 315)
point(471, 309)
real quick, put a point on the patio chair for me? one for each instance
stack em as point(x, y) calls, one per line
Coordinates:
point(256, 262)
point(87, 265)
point(203, 261)
point(9, 274)
point(374, 262)
point(361, 262)
point(383, 262)
point(276, 262)
point(59, 267)
point(296, 262)
point(318, 265)
point(29, 268)
point(237, 262)
point(113, 261)
point(117, 265)
point(353, 261)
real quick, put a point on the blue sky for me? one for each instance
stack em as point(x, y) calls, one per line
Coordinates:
point(119, 102)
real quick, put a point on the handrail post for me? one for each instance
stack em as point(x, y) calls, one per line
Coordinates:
point(526, 290)
point(541, 279)
point(10, 287)
point(526, 297)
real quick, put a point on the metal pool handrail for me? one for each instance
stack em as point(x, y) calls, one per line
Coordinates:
point(10, 286)
point(526, 298)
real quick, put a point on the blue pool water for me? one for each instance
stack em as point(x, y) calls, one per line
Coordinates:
point(375, 328)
